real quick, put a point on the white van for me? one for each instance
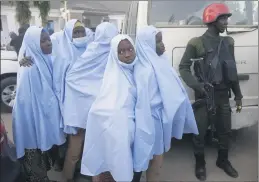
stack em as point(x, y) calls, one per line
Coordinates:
point(8, 76)
point(182, 20)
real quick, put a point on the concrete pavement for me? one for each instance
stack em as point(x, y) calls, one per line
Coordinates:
point(179, 162)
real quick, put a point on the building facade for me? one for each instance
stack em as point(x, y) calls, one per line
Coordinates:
point(91, 14)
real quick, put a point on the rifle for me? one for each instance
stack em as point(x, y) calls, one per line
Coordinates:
point(209, 93)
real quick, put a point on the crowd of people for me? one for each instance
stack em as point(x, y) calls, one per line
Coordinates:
point(100, 98)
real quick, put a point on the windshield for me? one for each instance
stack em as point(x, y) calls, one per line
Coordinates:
point(179, 12)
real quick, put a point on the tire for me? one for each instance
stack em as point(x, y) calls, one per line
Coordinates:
point(9, 82)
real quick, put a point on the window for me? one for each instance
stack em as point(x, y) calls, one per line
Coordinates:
point(182, 13)
point(86, 22)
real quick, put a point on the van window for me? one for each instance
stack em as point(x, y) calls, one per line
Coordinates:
point(189, 13)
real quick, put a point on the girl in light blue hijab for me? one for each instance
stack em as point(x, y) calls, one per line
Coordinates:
point(163, 109)
point(36, 113)
point(68, 45)
point(71, 45)
point(83, 82)
point(84, 78)
point(110, 127)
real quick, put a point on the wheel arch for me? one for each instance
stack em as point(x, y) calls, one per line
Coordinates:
point(6, 75)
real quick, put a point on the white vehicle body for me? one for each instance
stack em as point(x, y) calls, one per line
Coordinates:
point(9, 69)
point(9, 62)
point(177, 32)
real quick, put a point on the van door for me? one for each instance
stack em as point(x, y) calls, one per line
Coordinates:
point(182, 20)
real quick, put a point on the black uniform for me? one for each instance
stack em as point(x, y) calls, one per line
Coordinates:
point(224, 80)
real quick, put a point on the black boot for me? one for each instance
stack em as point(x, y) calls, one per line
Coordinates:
point(137, 177)
point(225, 165)
point(200, 169)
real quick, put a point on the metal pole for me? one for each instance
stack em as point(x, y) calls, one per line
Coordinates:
point(65, 10)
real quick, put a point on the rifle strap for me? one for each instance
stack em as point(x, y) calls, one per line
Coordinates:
point(208, 48)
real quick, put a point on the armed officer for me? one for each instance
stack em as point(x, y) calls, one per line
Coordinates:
point(218, 70)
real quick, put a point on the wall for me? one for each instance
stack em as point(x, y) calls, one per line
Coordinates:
point(118, 21)
point(94, 19)
point(10, 24)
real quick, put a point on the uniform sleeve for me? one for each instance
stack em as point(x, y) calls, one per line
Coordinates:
point(12, 43)
point(185, 66)
point(234, 85)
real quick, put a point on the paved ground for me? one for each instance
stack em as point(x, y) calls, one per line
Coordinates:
point(179, 162)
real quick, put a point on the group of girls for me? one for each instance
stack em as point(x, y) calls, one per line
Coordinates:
point(117, 103)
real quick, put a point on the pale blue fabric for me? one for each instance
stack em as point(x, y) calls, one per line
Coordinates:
point(84, 78)
point(66, 54)
point(163, 109)
point(110, 127)
point(55, 39)
point(56, 36)
point(36, 113)
point(89, 35)
point(20, 57)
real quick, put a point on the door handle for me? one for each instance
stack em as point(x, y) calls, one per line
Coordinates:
point(243, 77)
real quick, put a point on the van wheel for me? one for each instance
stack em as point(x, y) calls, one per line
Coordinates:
point(8, 92)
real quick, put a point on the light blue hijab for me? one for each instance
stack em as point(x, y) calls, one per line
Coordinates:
point(89, 35)
point(36, 113)
point(177, 114)
point(110, 126)
point(55, 38)
point(84, 78)
point(65, 55)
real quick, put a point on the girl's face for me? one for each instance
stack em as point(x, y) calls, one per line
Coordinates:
point(45, 43)
point(78, 32)
point(160, 47)
point(126, 52)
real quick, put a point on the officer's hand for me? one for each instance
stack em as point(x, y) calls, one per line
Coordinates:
point(201, 90)
point(238, 106)
point(26, 62)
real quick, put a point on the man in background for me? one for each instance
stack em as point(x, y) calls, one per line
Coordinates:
point(13, 36)
point(16, 42)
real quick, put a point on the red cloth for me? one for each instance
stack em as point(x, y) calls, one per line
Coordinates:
point(2, 128)
point(2, 136)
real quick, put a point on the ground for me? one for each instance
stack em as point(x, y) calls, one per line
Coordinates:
point(179, 161)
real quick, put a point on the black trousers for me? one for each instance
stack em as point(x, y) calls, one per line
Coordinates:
point(136, 177)
point(221, 120)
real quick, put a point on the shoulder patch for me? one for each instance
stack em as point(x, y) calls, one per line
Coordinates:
point(195, 41)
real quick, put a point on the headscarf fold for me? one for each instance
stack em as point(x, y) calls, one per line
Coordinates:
point(84, 78)
point(110, 126)
point(20, 57)
point(90, 35)
point(177, 114)
point(55, 39)
point(36, 113)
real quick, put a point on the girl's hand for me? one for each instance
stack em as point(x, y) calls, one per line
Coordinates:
point(26, 62)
